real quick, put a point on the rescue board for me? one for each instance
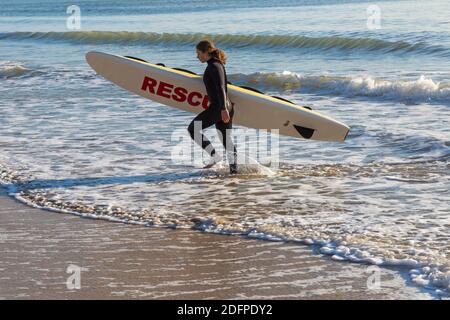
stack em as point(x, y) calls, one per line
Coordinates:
point(185, 90)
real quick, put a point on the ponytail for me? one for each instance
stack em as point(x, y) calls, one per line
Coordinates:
point(208, 46)
point(220, 55)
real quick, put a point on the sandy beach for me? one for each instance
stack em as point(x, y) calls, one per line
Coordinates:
point(120, 261)
point(105, 191)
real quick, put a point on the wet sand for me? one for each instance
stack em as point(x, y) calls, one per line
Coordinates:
point(121, 261)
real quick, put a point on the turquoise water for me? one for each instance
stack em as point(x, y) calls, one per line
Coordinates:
point(74, 142)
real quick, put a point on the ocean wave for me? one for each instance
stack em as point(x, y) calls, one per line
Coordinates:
point(234, 40)
point(11, 69)
point(412, 91)
point(423, 89)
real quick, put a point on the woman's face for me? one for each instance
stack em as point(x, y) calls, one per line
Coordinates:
point(202, 56)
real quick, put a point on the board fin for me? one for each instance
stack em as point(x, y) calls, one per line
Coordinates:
point(142, 60)
point(184, 70)
point(251, 89)
point(286, 100)
point(304, 132)
point(282, 99)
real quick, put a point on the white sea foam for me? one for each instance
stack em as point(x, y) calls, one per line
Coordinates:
point(11, 69)
point(246, 165)
point(422, 89)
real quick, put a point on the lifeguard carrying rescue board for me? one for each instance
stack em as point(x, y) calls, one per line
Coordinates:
point(185, 90)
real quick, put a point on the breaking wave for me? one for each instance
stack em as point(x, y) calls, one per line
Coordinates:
point(285, 41)
point(411, 91)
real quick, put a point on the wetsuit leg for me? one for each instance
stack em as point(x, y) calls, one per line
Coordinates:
point(224, 131)
point(205, 119)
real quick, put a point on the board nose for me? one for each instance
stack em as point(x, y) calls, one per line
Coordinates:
point(93, 59)
point(90, 56)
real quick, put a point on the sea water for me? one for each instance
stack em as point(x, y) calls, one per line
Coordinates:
point(71, 141)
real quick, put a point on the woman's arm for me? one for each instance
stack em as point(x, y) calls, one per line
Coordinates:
point(218, 80)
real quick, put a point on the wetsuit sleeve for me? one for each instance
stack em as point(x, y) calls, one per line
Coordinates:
point(218, 81)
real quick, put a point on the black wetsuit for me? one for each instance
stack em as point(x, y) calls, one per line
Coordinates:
point(215, 80)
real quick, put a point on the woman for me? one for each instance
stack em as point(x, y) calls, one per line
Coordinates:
point(215, 80)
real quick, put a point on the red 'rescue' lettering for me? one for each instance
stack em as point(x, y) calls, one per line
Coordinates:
point(178, 94)
point(149, 84)
point(164, 89)
point(191, 96)
point(205, 102)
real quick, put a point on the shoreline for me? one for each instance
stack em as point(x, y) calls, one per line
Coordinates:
point(43, 250)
